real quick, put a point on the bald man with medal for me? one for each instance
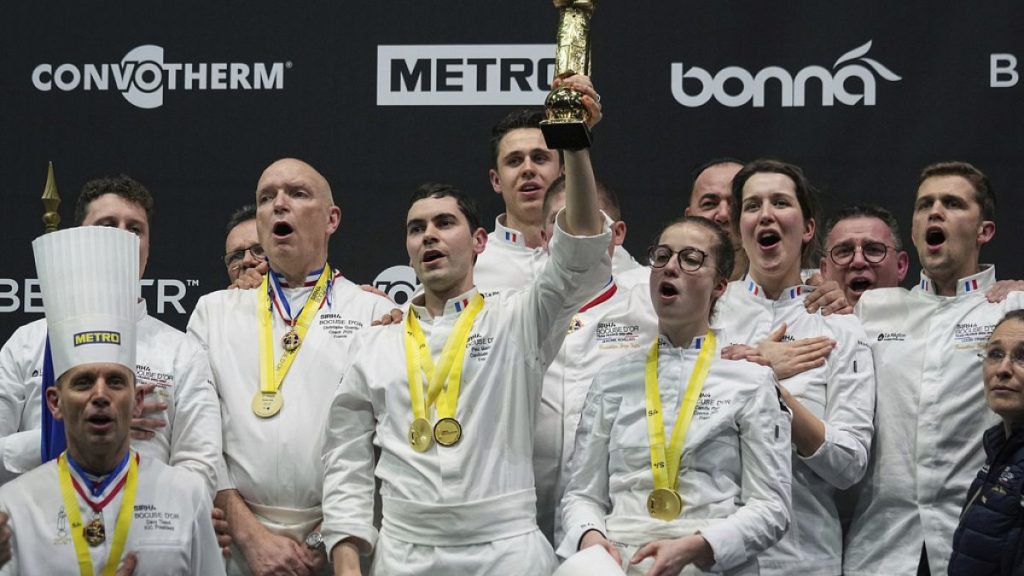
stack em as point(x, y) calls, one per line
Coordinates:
point(101, 508)
point(450, 396)
point(277, 353)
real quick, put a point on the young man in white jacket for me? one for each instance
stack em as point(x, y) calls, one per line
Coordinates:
point(457, 482)
point(931, 409)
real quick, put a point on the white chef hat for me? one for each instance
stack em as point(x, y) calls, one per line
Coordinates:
point(90, 283)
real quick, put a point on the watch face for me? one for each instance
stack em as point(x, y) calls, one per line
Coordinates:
point(314, 540)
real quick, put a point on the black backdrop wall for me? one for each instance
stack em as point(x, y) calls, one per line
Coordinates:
point(194, 99)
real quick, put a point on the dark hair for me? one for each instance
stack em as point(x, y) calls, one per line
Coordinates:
point(605, 195)
point(1017, 315)
point(806, 196)
point(514, 120)
point(466, 204)
point(866, 211)
point(710, 164)
point(243, 214)
point(121, 185)
point(983, 193)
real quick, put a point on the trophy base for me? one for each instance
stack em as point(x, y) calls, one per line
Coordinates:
point(572, 135)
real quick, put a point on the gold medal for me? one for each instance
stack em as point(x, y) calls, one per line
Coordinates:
point(267, 404)
point(664, 504)
point(447, 432)
point(421, 435)
point(95, 533)
point(291, 341)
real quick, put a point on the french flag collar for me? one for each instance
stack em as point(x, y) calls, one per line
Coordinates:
point(973, 283)
point(695, 344)
point(508, 235)
point(459, 303)
point(792, 293)
point(278, 283)
point(607, 292)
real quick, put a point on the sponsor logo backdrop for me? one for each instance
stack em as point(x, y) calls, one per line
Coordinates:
point(194, 99)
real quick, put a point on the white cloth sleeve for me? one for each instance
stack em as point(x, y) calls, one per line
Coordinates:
point(348, 461)
point(19, 451)
point(586, 501)
point(196, 437)
point(849, 410)
point(198, 328)
point(577, 268)
point(767, 477)
point(206, 553)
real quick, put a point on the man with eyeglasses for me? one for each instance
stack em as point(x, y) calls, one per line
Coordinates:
point(242, 249)
point(930, 411)
point(863, 251)
point(180, 423)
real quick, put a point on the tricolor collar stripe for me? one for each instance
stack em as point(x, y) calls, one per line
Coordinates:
point(460, 306)
point(609, 291)
point(753, 288)
point(511, 236)
point(97, 488)
point(311, 278)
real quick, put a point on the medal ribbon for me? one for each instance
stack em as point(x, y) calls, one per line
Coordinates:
point(418, 361)
point(665, 462)
point(272, 376)
point(124, 516)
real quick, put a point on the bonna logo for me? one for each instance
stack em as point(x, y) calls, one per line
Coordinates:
point(142, 76)
point(851, 81)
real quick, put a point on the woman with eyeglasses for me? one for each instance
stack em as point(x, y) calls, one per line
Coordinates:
point(682, 457)
point(833, 399)
point(990, 538)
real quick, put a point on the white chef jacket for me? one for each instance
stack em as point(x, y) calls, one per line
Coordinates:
point(929, 424)
point(841, 393)
point(734, 476)
point(507, 264)
point(616, 322)
point(171, 533)
point(166, 357)
point(274, 463)
point(469, 508)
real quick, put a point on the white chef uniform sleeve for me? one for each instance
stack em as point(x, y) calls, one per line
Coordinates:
point(199, 328)
point(586, 501)
point(206, 553)
point(19, 451)
point(849, 408)
point(348, 458)
point(577, 268)
point(764, 429)
point(196, 437)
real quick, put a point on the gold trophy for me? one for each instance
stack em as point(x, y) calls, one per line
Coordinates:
point(566, 125)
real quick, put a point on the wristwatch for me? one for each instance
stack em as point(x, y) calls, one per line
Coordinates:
point(315, 541)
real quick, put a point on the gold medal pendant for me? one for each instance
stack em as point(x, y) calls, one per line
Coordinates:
point(267, 404)
point(291, 341)
point(447, 432)
point(95, 533)
point(664, 504)
point(421, 435)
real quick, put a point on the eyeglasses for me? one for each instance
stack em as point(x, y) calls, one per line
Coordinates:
point(873, 252)
point(995, 357)
point(690, 259)
point(234, 259)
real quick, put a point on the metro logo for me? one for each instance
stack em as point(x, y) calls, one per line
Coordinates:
point(791, 88)
point(464, 75)
point(98, 337)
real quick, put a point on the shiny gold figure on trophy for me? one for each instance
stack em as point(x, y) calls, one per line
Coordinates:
point(566, 125)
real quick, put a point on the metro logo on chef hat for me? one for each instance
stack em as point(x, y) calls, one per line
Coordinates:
point(89, 277)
